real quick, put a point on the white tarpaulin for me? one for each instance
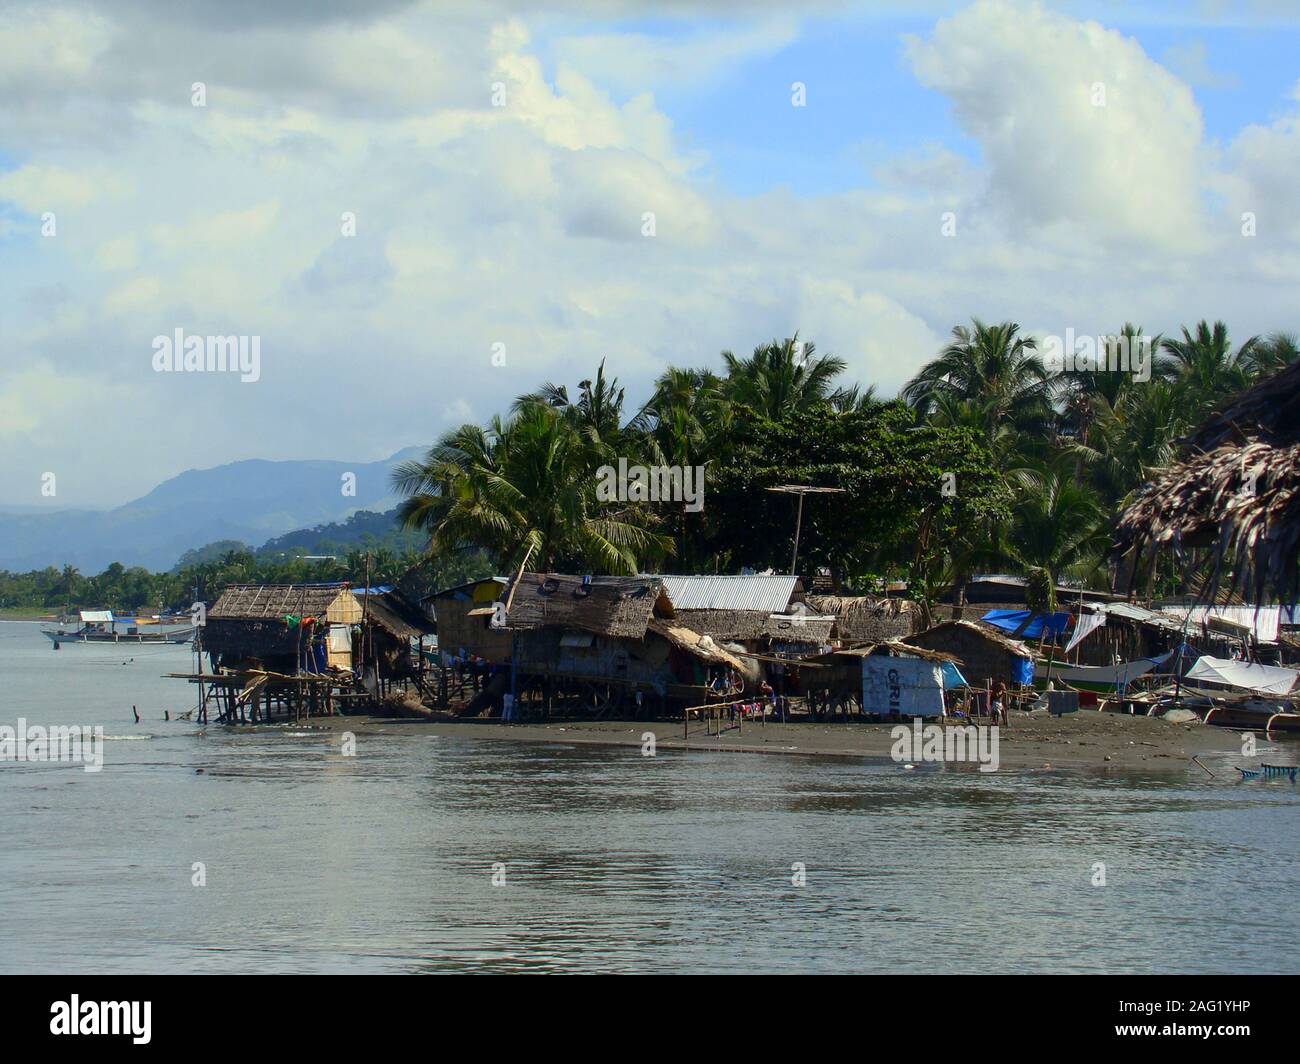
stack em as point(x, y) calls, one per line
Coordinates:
point(340, 638)
point(1083, 624)
point(1267, 679)
point(96, 616)
point(911, 687)
point(1262, 622)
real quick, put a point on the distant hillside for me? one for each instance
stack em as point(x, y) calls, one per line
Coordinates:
point(364, 530)
point(250, 501)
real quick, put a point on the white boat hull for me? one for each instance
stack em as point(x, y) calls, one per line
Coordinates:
point(1095, 677)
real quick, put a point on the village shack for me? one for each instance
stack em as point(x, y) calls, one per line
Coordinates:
point(986, 656)
point(885, 679)
point(1229, 509)
point(463, 615)
point(605, 640)
point(282, 627)
point(760, 613)
point(393, 629)
point(866, 619)
point(290, 648)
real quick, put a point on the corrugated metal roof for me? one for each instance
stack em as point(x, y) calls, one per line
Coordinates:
point(771, 594)
point(1130, 612)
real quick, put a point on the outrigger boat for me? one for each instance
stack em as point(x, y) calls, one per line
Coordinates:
point(1101, 678)
point(100, 626)
point(1234, 694)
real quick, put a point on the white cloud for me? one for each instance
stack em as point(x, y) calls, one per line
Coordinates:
point(1024, 82)
point(522, 224)
point(37, 188)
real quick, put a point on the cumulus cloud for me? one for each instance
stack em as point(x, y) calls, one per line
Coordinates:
point(522, 224)
point(1077, 124)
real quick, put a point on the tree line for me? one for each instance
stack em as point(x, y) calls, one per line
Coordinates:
point(990, 458)
point(202, 573)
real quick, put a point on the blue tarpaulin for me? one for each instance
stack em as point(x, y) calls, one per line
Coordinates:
point(1011, 620)
point(952, 676)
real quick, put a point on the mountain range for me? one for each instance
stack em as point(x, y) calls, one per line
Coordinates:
point(251, 501)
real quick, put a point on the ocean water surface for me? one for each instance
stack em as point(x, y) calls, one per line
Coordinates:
point(384, 862)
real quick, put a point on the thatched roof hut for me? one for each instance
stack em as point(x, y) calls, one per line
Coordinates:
point(841, 670)
point(619, 606)
point(396, 614)
point(741, 609)
point(864, 619)
point(1231, 507)
point(268, 620)
point(985, 655)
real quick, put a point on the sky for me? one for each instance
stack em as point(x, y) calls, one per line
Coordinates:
point(421, 210)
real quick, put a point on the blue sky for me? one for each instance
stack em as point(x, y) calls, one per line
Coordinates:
point(522, 225)
point(866, 102)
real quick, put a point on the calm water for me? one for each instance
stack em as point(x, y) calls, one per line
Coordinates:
point(383, 862)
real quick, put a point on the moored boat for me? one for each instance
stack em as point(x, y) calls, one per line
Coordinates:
point(1095, 677)
point(100, 626)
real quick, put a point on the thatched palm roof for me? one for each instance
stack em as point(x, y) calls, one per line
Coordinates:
point(988, 634)
point(606, 605)
point(395, 613)
point(702, 647)
point(1236, 491)
point(267, 601)
point(868, 619)
point(895, 647)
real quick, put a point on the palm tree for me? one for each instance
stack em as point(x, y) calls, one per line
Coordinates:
point(597, 415)
point(855, 399)
point(524, 490)
point(1127, 442)
point(994, 366)
point(1272, 354)
point(781, 377)
point(1057, 529)
point(689, 418)
point(1130, 351)
point(1204, 366)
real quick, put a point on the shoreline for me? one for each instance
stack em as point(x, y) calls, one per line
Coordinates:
point(1077, 741)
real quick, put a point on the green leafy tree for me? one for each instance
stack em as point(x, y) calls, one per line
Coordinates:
point(524, 489)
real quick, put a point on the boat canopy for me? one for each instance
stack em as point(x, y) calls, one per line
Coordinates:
point(96, 616)
point(1266, 679)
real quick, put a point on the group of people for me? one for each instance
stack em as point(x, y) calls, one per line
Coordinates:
point(768, 702)
point(471, 669)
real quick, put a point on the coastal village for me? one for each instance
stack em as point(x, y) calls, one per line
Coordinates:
point(722, 649)
point(752, 642)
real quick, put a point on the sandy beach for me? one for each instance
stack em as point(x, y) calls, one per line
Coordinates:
point(1084, 740)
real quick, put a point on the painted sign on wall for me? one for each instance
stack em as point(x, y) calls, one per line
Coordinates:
point(910, 687)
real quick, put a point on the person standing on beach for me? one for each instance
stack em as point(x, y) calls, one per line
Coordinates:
point(1000, 696)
